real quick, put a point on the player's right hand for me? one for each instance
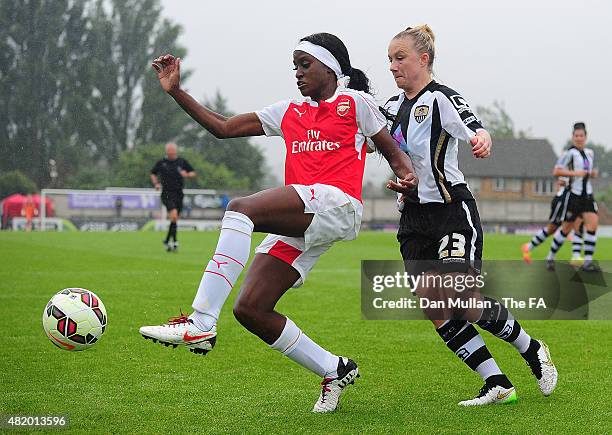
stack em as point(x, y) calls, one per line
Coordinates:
point(404, 185)
point(168, 69)
point(580, 173)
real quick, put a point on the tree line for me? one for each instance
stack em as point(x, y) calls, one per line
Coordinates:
point(80, 107)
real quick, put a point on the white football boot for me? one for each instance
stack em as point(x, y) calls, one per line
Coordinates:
point(544, 370)
point(492, 394)
point(331, 388)
point(180, 331)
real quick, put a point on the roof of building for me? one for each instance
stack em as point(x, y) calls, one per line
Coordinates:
point(517, 158)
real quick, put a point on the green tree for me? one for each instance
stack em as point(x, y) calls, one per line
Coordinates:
point(237, 154)
point(134, 168)
point(126, 39)
point(605, 197)
point(499, 123)
point(15, 182)
point(162, 120)
point(71, 81)
point(76, 86)
point(42, 52)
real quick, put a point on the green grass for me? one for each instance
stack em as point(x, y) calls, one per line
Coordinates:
point(410, 381)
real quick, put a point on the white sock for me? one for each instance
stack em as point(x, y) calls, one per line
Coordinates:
point(538, 239)
point(296, 345)
point(576, 245)
point(522, 341)
point(558, 240)
point(488, 368)
point(222, 271)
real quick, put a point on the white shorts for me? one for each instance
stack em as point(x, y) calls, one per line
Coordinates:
point(337, 216)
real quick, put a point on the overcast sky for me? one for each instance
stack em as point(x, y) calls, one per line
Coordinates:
point(549, 62)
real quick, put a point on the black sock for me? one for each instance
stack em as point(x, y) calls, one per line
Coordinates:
point(501, 323)
point(464, 341)
point(501, 380)
point(532, 351)
point(172, 231)
point(169, 233)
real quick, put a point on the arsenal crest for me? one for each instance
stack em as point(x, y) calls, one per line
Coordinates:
point(420, 113)
point(343, 107)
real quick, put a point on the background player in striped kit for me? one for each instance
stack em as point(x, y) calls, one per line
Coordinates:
point(440, 229)
point(325, 135)
point(558, 211)
point(577, 162)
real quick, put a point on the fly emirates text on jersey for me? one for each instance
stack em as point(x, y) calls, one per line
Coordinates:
point(313, 143)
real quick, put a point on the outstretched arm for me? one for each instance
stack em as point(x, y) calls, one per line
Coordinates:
point(398, 160)
point(168, 70)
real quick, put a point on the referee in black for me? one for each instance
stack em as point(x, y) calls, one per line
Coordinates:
point(170, 171)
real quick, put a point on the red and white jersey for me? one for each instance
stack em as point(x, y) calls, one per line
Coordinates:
point(325, 140)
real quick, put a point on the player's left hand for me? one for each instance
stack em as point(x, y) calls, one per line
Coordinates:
point(404, 185)
point(481, 144)
point(184, 173)
point(168, 69)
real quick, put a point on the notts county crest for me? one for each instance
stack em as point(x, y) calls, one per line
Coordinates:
point(343, 107)
point(420, 113)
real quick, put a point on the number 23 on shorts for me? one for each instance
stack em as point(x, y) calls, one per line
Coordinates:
point(457, 246)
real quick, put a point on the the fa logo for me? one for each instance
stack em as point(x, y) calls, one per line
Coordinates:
point(420, 113)
point(463, 353)
point(343, 107)
point(505, 332)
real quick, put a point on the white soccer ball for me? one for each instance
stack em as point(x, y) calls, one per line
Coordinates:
point(74, 319)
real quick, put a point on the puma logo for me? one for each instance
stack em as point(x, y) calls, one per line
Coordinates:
point(298, 112)
point(219, 263)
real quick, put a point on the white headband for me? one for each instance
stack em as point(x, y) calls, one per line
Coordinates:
point(321, 54)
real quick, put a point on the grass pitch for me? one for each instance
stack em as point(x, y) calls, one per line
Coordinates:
point(410, 381)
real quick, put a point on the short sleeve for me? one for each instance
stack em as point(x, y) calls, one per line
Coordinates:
point(369, 118)
point(187, 166)
point(156, 168)
point(563, 161)
point(271, 118)
point(456, 116)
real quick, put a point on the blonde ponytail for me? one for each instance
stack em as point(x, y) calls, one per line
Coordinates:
point(423, 38)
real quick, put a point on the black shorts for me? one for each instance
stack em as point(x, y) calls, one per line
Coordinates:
point(441, 237)
point(558, 208)
point(172, 200)
point(579, 204)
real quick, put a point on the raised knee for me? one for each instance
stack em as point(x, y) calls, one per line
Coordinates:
point(244, 311)
point(240, 205)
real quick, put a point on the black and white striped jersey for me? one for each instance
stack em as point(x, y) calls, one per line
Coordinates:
point(428, 128)
point(578, 160)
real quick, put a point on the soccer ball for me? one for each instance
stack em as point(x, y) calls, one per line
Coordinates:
point(74, 319)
